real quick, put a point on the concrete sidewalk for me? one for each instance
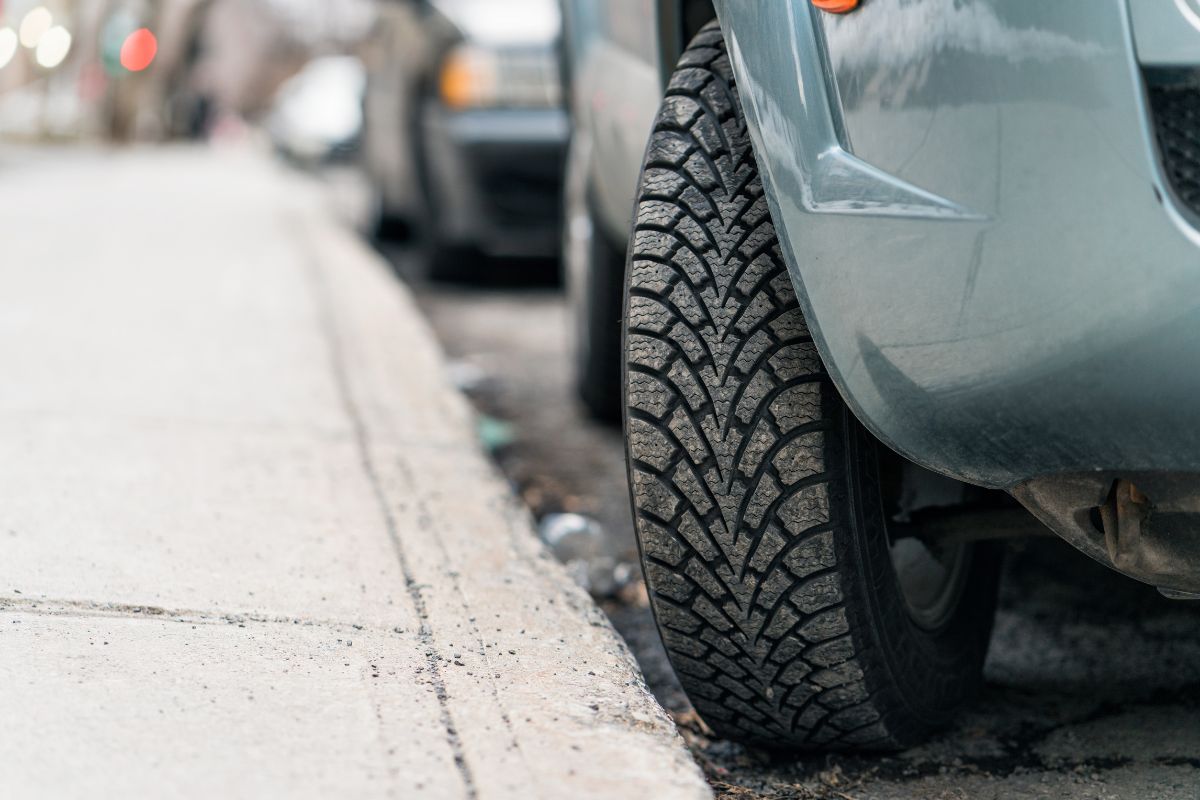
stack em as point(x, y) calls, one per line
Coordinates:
point(248, 544)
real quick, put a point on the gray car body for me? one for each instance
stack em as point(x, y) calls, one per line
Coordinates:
point(974, 214)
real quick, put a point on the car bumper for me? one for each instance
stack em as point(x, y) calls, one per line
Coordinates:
point(495, 178)
point(998, 272)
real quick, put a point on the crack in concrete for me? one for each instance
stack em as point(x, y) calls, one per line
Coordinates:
point(426, 520)
point(59, 607)
point(333, 339)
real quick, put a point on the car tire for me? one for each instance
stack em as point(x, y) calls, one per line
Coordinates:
point(445, 263)
point(389, 226)
point(595, 281)
point(758, 496)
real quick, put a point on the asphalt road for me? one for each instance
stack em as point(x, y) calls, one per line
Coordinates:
point(1092, 681)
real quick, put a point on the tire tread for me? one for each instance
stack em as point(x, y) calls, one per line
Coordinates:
point(727, 428)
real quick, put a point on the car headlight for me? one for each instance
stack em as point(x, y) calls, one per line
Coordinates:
point(473, 76)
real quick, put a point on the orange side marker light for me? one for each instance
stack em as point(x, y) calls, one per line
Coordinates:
point(836, 6)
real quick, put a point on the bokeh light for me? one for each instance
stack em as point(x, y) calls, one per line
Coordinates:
point(138, 50)
point(8, 46)
point(34, 25)
point(53, 47)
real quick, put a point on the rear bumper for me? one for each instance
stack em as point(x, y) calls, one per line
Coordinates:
point(496, 177)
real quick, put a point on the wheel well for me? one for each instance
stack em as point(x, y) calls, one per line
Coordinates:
point(696, 14)
point(678, 22)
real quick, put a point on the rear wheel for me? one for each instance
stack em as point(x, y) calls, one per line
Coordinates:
point(763, 507)
point(595, 280)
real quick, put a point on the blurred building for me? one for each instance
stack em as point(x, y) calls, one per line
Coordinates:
point(215, 61)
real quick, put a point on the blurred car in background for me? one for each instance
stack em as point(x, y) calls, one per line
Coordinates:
point(896, 269)
point(465, 129)
point(617, 55)
point(317, 114)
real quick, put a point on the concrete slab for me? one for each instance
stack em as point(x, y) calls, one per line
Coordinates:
point(195, 517)
point(102, 704)
point(229, 451)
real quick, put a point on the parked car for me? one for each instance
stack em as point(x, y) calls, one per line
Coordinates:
point(465, 129)
point(886, 270)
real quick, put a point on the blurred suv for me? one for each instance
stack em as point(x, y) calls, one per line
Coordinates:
point(465, 130)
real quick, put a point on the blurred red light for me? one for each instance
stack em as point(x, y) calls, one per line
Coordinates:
point(138, 50)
